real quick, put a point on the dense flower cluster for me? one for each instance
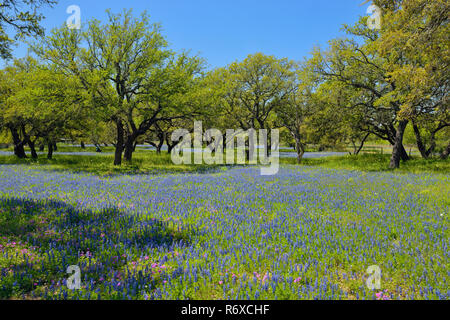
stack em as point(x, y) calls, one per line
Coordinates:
point(306, 233)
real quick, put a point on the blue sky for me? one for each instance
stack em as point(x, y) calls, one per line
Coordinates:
point(229, 30)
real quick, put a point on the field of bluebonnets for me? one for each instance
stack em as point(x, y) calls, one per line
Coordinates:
point(306, 233)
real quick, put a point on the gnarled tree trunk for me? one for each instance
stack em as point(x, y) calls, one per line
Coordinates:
point(19, 150)
point(129, 147)
point(50, 150)
point(31, 144)
point(399, 151)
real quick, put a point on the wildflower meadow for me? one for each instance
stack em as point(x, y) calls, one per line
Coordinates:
point(306, 233)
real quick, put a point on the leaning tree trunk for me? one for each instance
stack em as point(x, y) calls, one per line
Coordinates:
point(19, 150)
point(171, 146)
point(403, 154)
point(31, 144)
point(162, 137)
point(160, 143)
point(50, 150)
point(119, 144)
point(398, 150)
point(361, 146)
point(426, 153)
point(420, 144)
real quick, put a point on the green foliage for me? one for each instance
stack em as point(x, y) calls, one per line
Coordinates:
point(249, 92)
point(127, 70)
point(22, 18)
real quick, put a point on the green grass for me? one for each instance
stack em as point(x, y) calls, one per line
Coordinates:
point(375, 162)
point(67, 148)
point(148, 161)
point(143, 162)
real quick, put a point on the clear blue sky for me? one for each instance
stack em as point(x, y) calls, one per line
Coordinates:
point(229, 30)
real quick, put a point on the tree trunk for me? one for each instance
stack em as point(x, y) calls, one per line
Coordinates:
point(129, 148)
point(403, 154)
point(171, 145)
point(419, 142)
point(224, 142)
point(247, 150)
point(160, 143)
point(55, 147)
point(41, 147)
point(119, 145)
point(363, 141)
point(31, 144)
point(27, 140)
point(300, 149)
point(19, 150)
point(398, 151)
point(82, 145)
point(50, 150)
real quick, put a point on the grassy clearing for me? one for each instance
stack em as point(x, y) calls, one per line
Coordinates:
point(150, 162)
point(375, 162)
point(144, 162)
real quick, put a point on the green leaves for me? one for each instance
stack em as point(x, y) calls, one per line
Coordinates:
point(250, 91)
point(23, 23)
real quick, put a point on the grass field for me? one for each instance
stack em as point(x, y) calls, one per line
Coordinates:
point(148, 161)
point(376, 163)
point(225, 232)
point(102, 164)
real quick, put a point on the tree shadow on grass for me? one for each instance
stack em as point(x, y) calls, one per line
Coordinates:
point(40, 239)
